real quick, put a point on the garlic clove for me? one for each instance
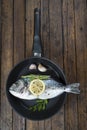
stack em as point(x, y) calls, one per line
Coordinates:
point(41, 68)
point(32, 67)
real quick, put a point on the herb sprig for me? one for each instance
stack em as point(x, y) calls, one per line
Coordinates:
point(39, 106)
point(32, 76)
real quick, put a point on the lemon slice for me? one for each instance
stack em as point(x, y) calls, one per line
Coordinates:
point(37, 87)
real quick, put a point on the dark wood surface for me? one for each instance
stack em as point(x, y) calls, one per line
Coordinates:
point(64, 37)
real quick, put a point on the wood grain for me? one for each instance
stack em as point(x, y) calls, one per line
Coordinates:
point(0, 64)
point(45, 36)
point(19, 14)
point(56, 49)
point(81, 53)
point(45, 27)
point(70, 63)
point(6, 61)
point(56, 45)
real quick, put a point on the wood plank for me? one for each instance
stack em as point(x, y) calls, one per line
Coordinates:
point(48, 124)
point(45, 27)
point(19, 18)
point(29, 27)
point(56, 32)
point(71, 121)
point(81, 52)
point(6, 61)
point(41, 125)
point(0, 64)
point(56, 49)
point(45, 31)
point(30, 5)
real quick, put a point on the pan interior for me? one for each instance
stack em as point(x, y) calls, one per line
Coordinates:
point(22, 106)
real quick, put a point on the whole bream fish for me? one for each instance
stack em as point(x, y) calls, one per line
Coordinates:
point(52, 89)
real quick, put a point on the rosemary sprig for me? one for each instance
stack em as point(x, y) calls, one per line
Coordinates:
point(39, 106)
point(32, 76)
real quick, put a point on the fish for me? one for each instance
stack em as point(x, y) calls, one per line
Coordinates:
point(53, 89)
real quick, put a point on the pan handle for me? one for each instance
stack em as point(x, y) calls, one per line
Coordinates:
point(37, 49)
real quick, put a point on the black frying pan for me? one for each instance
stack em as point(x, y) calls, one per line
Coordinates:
point(22, 106)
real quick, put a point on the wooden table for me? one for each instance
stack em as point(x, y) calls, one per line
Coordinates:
point(64, 37)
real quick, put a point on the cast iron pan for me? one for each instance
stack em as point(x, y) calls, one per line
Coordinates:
point(22, 106)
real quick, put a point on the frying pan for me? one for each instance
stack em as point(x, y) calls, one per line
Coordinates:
point(22, 106)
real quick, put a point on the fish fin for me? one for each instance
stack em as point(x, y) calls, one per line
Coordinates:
point(73, 88)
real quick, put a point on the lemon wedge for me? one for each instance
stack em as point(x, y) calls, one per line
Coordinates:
point(37, 87)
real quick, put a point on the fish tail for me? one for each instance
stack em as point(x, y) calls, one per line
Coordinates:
point(73, 88)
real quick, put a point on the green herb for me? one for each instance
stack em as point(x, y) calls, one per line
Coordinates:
point(32, 76)
point(39, 106)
